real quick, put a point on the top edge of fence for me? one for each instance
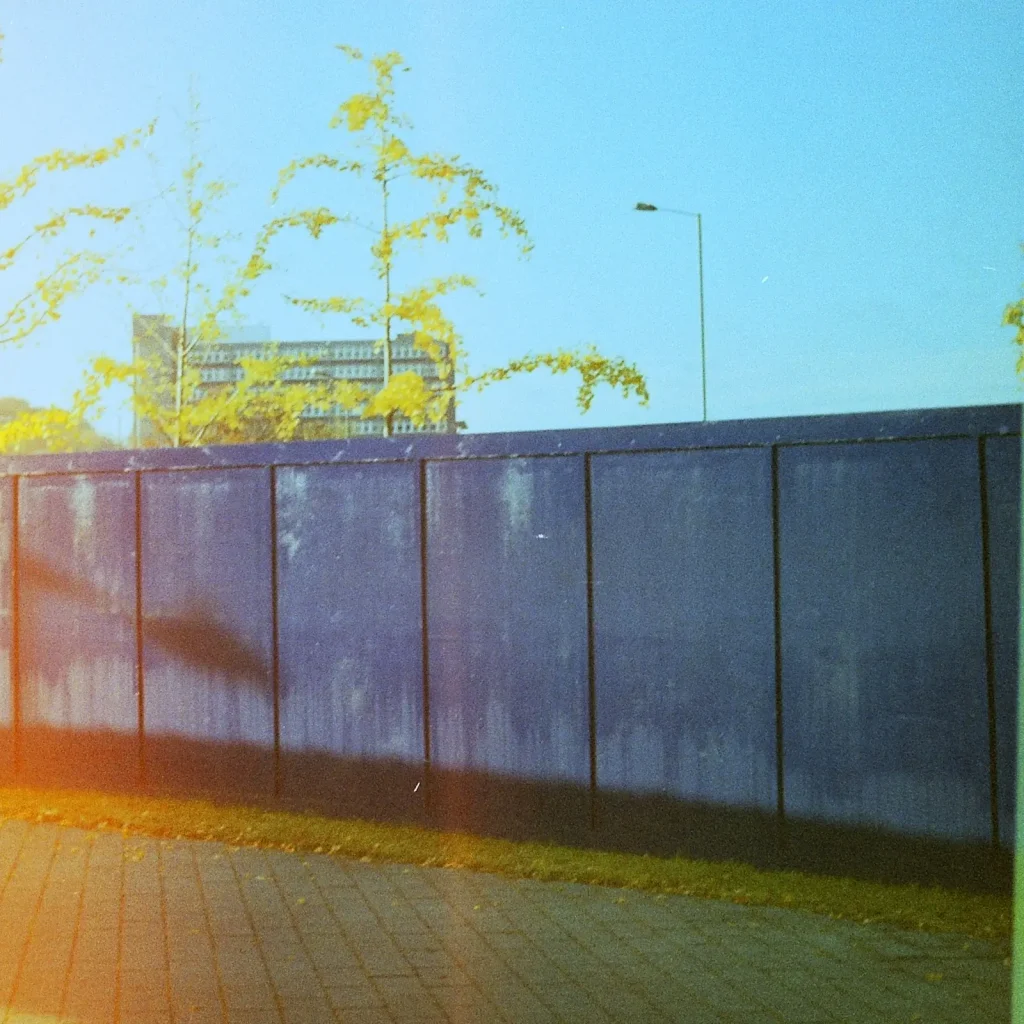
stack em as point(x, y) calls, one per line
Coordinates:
point(828, 428)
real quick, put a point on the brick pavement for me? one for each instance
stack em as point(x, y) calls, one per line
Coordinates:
point(96, 926)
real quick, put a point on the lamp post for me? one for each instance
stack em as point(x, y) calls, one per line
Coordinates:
point(647, 207)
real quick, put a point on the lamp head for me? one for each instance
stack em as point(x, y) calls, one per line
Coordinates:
point(645, 206)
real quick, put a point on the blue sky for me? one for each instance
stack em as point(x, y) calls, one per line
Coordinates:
point(858, 168)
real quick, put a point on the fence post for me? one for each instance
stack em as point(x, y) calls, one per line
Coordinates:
point(990, 654)
point(424, 634)
point(588, 532)
point(782, 844)
point(140, 680)
point(1017, 978)
point(15, 659)
point(274, 646)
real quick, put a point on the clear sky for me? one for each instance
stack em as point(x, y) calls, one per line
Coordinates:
point(858, 168)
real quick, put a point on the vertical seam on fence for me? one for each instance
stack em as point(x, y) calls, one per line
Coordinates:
point(424, 629)
point(275, 655)
point(140, 679)
point(588, 527)
point(990, 654)
point(780, 775)
point(15, 660)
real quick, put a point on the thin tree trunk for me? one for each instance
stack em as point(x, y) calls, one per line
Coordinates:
point(182, 347)
point(388, 418)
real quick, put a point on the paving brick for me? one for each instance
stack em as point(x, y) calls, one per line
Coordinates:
point(365, 1016)
point(38, 999)
point(8, 979)
point(96, 980)
point(242, 974)
point(310, 1012)
point(146, 1017)
point(86, 1012)
point(441, 975)
point(201, 1015)
point(249, 1015)
point(570, 1003)
point(230, 926)
point(147, 960)
point(39, 986)
point(138, 1000)
point(250, 994)
point(353, 997)
point(347, 976)
point(281, 937)
point(200, 1001)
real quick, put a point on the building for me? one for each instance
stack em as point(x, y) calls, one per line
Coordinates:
point(361, 361)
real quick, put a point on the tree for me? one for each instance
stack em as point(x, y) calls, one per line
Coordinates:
point(168, 392)
point(75, 271)
point(170, 396)
point(1013, 316)
point(25, 430)
point(370, 114)
point(53, 429)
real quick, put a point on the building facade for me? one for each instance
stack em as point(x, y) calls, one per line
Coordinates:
point(358, 361)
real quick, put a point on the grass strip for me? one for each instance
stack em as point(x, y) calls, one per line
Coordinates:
point(910, 907)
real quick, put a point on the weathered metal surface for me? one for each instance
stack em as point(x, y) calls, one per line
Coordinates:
point(6, 594)
point(207, 643)
point(76, 570)
point(1002, 457)
point(883, 639)
point(971, 420)
point(506, 557)
point(77, 697)
point(684, 625)
point(350, 610)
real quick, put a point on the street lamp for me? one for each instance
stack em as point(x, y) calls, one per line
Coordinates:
point(647, 207)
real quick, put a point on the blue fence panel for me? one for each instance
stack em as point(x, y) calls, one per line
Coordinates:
point(883, 634)
point(207, 626)
point(350, 610)
point(883, 640)
point(1002, 457)
point(6, 594)
point(507, 599)
point(77, 652)
point(684, 625)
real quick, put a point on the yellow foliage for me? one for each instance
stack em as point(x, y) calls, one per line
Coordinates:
point(176, 405)
point(406, 393)
point(1013, 316)
point(360, 109)
point(76, 271)
point(59, 430)
point(260, 403)
point(42, 305)
point(590, 364)
point(393, 151)
point(52, 430)
point(63, 160)
point(433, 333)
point(320, 160)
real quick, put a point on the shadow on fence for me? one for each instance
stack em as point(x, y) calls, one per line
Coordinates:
point(735, 641)
point(488, 804)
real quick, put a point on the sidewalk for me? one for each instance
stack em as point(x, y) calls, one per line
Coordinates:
point(105, 928)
